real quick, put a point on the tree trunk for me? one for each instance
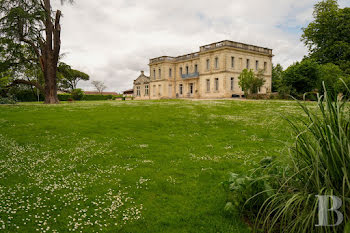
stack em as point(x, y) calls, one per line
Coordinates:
point(51, 51)
point(51, 82)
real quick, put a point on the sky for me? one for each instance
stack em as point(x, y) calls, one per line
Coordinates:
point(113, 40)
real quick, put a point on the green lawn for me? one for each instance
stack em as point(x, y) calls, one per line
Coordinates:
point(134, 166)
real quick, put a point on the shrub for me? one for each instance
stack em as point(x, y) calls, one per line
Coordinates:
point(77, 94)
point(319, 164)
point(7, 100)
point(25, 95)
point(64, 97)
point(97, 97)
point(247, 192)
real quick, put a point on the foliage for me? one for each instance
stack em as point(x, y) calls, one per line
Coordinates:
point(7, 100)
point(77, 94)
point(327, 37)
point(250, 82)
point(66, 97)
point(4, 81)
point(318, 164)
point(30, 35)
point(99, 85)
point(277, 72)
point(25, 94)
point(248, 192)
point(331, 76)
point(301, 77)
point(69, 78)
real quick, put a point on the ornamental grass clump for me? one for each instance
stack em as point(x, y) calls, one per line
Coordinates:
point(319, 164)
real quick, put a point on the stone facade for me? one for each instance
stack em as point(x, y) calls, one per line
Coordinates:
point(210, 73)
point(142, 87)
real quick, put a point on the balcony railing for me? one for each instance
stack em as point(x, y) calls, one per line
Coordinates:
point(236, 45)
point(190, 75)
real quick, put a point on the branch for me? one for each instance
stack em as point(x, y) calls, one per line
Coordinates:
point(25, 82)
point(31, 44)
point(48, 25)
point(57, 36)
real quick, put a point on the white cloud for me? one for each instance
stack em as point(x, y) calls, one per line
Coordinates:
point(113, 40)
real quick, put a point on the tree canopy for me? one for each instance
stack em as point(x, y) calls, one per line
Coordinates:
point(69, 78)
point(250, 82)
point(301, 77)
point(30, 33)
point(277, 72)
point(328, 35)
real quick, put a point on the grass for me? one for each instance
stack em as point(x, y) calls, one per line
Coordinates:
point(134, 166)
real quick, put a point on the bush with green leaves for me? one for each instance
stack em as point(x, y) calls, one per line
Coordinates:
point(318, 164)
point(77, 94)
point(247, 192)
point(7, 100)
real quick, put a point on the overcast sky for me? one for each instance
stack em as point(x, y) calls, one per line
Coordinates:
point(112, 40)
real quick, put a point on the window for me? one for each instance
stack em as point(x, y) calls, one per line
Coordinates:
point(180, 89)
point(259, 90)
point(160, 89)
point(216, 84)
point(208, 64)
point(146, 90)
point(248, 64)
point(208, 85)
point(138, 91)
point(191, 88)
point(265, 66)
point(154, 74)
point(160, 73)
point(154, 90)
point(187, 70)
point(256, 65)
point(232, 62)
point(180, 70)
point(196, 68)
point(216, 63)
point(170, 73)
point(232, 84)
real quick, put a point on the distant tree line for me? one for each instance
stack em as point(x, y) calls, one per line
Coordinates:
point(327, 38)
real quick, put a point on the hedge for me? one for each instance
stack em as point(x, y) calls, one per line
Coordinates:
point(29, 96)
point(26, 96)
point(65, 97)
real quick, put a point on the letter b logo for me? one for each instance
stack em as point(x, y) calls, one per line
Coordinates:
point(323, 210)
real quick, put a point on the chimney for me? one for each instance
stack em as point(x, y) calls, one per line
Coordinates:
point(142, 72)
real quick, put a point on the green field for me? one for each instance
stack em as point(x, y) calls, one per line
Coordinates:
point(134, 166)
